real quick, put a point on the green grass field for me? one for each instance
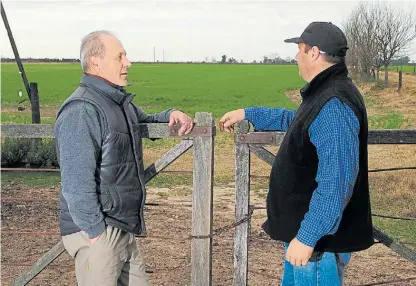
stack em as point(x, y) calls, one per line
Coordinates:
point(191, 88)
point(407, 68)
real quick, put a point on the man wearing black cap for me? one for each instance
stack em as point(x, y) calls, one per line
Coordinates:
point(318, 201)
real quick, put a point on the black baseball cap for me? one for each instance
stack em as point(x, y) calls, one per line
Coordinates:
point(326, 36)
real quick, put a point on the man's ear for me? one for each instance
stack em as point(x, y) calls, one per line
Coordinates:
point(94, 64)
point(315, 53)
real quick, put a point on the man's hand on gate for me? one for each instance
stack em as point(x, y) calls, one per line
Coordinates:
point(186, 122)
point(229, 119)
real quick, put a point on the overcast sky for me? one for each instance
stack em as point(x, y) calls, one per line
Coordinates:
point(184, 30)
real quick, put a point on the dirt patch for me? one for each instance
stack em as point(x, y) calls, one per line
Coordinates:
point(294, 95)
point(167, 248)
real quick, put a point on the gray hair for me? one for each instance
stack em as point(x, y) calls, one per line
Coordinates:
point(92, 46)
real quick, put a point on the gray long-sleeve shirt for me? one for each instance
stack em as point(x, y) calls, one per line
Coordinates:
point(79, 132)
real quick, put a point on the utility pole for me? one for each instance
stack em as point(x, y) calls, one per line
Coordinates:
point(163, 55)
point(16, 53)
point(32, 89)
point(154, 54)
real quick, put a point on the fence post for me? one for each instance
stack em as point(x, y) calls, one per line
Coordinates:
point(202, 204)
point(34, 100)
point(414, 70)
point(400, 80)
point(242, 201)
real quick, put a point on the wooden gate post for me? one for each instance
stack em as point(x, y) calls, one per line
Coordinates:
point(242, 201)
point(202, 204)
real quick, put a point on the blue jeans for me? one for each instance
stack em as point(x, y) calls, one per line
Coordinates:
point(323, 269)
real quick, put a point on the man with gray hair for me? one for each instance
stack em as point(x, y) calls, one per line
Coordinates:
point(101, 160)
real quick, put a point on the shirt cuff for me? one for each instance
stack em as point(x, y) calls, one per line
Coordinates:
point(307, 238)
point(96, 230)
point(250, 113)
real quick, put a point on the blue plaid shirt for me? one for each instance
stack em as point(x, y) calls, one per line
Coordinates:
point(334, 132)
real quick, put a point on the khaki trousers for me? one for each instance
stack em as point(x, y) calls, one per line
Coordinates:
point(113, 260)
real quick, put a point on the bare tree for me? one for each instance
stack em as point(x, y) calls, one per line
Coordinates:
point(397, 29)
point(360, 30)
point(377, 33)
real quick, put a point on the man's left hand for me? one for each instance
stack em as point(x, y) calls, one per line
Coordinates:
point(186, 122)
point(298, 253)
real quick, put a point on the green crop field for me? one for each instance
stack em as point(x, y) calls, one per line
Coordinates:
point(191, 88)
point(406, 68)
point(211, 88)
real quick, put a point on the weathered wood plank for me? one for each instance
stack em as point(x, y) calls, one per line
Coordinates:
point(374, 137)
point(27, 130)
point(392, 136)
point(242, 201)
point(167, 159)
point(161, 130)
point(397, 247)
point(202, 205)
point(36, 268)
point(154, 130)
point(383, 136)
point(263, 154)
point(147, 130)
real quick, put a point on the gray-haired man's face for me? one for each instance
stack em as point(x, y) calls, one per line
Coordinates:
point(114, 66)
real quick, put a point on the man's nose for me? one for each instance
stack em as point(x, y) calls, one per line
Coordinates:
point(127, 63)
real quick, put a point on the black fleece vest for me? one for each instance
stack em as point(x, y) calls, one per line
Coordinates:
point(292, 178)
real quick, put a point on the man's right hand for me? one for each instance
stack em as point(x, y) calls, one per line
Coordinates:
point(229, 119)
point(94, 240)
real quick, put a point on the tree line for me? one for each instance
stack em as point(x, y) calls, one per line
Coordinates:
point(379, 35)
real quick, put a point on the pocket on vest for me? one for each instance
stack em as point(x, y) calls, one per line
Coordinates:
point(296, 191)
point(110, 201)
point(131, 201)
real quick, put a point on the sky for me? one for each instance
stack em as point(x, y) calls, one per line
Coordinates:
point(171, 30)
